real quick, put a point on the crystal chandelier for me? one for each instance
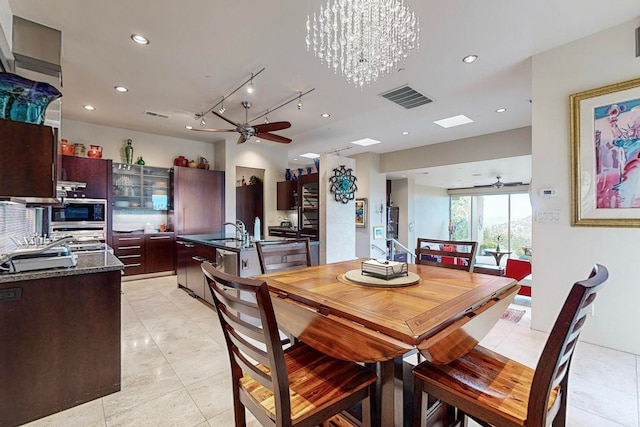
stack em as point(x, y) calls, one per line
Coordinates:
point(363, 38)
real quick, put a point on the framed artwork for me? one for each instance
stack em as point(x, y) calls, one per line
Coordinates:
point(361, 212)
point(377, 232)
point(605, 156)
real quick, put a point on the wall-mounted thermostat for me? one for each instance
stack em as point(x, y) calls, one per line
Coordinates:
point(548, 192)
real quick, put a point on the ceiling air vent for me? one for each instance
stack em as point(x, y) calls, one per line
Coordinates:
point(159, 115)
point(406, 97)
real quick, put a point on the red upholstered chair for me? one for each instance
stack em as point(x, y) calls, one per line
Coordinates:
point(519, 269)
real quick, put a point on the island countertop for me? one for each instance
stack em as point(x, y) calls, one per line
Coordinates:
point(88, 262)
point(220, 241)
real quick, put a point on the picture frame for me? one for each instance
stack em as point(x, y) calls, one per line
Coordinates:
point(605, 162)
point(378, 232)
point(361, 213)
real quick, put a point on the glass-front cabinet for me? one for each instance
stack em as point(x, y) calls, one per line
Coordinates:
point(308, 215)
point(140, 187)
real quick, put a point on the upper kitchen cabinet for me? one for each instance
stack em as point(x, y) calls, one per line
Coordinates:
point(140, 187)
point(29, 160)
point(96, 173)
point(198, 200)
point(287, 192)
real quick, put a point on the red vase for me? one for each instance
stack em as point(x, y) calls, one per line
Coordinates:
point(180, 161)
point(95, 152)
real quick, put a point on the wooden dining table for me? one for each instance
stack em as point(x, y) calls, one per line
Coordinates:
point(444, 314)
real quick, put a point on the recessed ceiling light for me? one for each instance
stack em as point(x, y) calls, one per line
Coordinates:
point(189, 127)
point(405, 133)
point(310, 155)
point(450, 122)
point(257, 140)
point(89, 107)
point(501, 110)
point(469, 59)
point(139, 39)
point(121, 89)
point(295, 160)
point(365, 142)
point(325, 115)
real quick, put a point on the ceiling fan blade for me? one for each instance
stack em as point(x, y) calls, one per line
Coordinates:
point(225, 119)
point(242, 139)
point(512, 184)
point(213, 130)
point(273, 137)
point(270, 127)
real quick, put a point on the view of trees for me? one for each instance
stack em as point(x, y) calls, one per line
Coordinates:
point(516, 240)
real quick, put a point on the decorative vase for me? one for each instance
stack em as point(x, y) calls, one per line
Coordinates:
point(299, 172)
point(192, 164)
point(294, 177)
point(79, 150)
point(140, 161)
point(316, 162)
point(180, 161)
point(309, 170)
point(128, 151)
point(95, 152)
point(66, 148)
point(287, 174)
point(24, 100)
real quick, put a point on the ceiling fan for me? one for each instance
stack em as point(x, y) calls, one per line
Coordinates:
point(499, 184)
point(246, 131)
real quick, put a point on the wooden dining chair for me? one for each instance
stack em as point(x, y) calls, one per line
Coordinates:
point(496, 391)
point(299, 386)
point(459, 255)
point(278, 255)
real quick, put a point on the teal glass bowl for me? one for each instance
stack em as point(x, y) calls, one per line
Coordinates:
point(24, 100)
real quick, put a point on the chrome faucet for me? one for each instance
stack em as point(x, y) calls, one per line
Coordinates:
point(241, 232)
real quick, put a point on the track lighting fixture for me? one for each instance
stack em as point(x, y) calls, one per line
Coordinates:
point(222, 109)
point(250, 86)
point(202, 121)
point(300, 101)
point(266, 118)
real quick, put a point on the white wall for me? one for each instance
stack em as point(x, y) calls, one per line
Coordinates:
point(337, 219)
point(268, 156)
point(156, 150)
point(563, 254)
point(431, 213)
point(372, 185)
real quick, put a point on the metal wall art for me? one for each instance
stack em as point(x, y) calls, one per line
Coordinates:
point(343, 184)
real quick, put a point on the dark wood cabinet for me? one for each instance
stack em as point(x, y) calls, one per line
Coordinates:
point(198, 200)
point(249, 206)
point(184, 252)
point(190, 257)
point(130, 251)
point(60, 344)
point(159, 252)
point(145, 253)
point(96, 173)
point(29, 160)
point(286, 195)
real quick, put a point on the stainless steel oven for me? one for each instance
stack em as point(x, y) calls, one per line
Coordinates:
point(79, 218)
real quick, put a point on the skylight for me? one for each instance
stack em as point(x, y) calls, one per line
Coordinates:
point(453, 121)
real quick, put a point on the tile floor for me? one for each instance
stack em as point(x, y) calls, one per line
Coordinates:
point(175, 370)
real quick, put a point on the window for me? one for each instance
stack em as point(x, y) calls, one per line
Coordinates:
point(493, 220)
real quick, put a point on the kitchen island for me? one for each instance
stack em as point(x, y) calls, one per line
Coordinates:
point(226, 253)
point(60, 337)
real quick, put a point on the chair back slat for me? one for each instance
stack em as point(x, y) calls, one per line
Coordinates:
point(248, 301)
point(555, 361)
point(281, 255)
point(458, 255)
point(246, 328)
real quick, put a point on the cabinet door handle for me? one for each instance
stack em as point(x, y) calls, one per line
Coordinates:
point(128, 247)
point(198, 258)
point(128, 256)
point(123, 239)
point(159, 237)
point(132, 265)
point(189, 245)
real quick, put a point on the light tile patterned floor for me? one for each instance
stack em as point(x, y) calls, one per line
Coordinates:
point(175, 370)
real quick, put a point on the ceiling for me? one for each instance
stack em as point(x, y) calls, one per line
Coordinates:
point(201, 50)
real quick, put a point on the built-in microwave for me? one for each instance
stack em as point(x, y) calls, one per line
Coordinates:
point(79, 217)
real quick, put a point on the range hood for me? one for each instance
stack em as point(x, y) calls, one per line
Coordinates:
point(37, 47)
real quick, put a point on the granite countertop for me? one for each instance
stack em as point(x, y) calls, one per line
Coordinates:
point(88, 262)
point(219, 240)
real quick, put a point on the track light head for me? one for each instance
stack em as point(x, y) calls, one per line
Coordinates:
point(250, 86)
